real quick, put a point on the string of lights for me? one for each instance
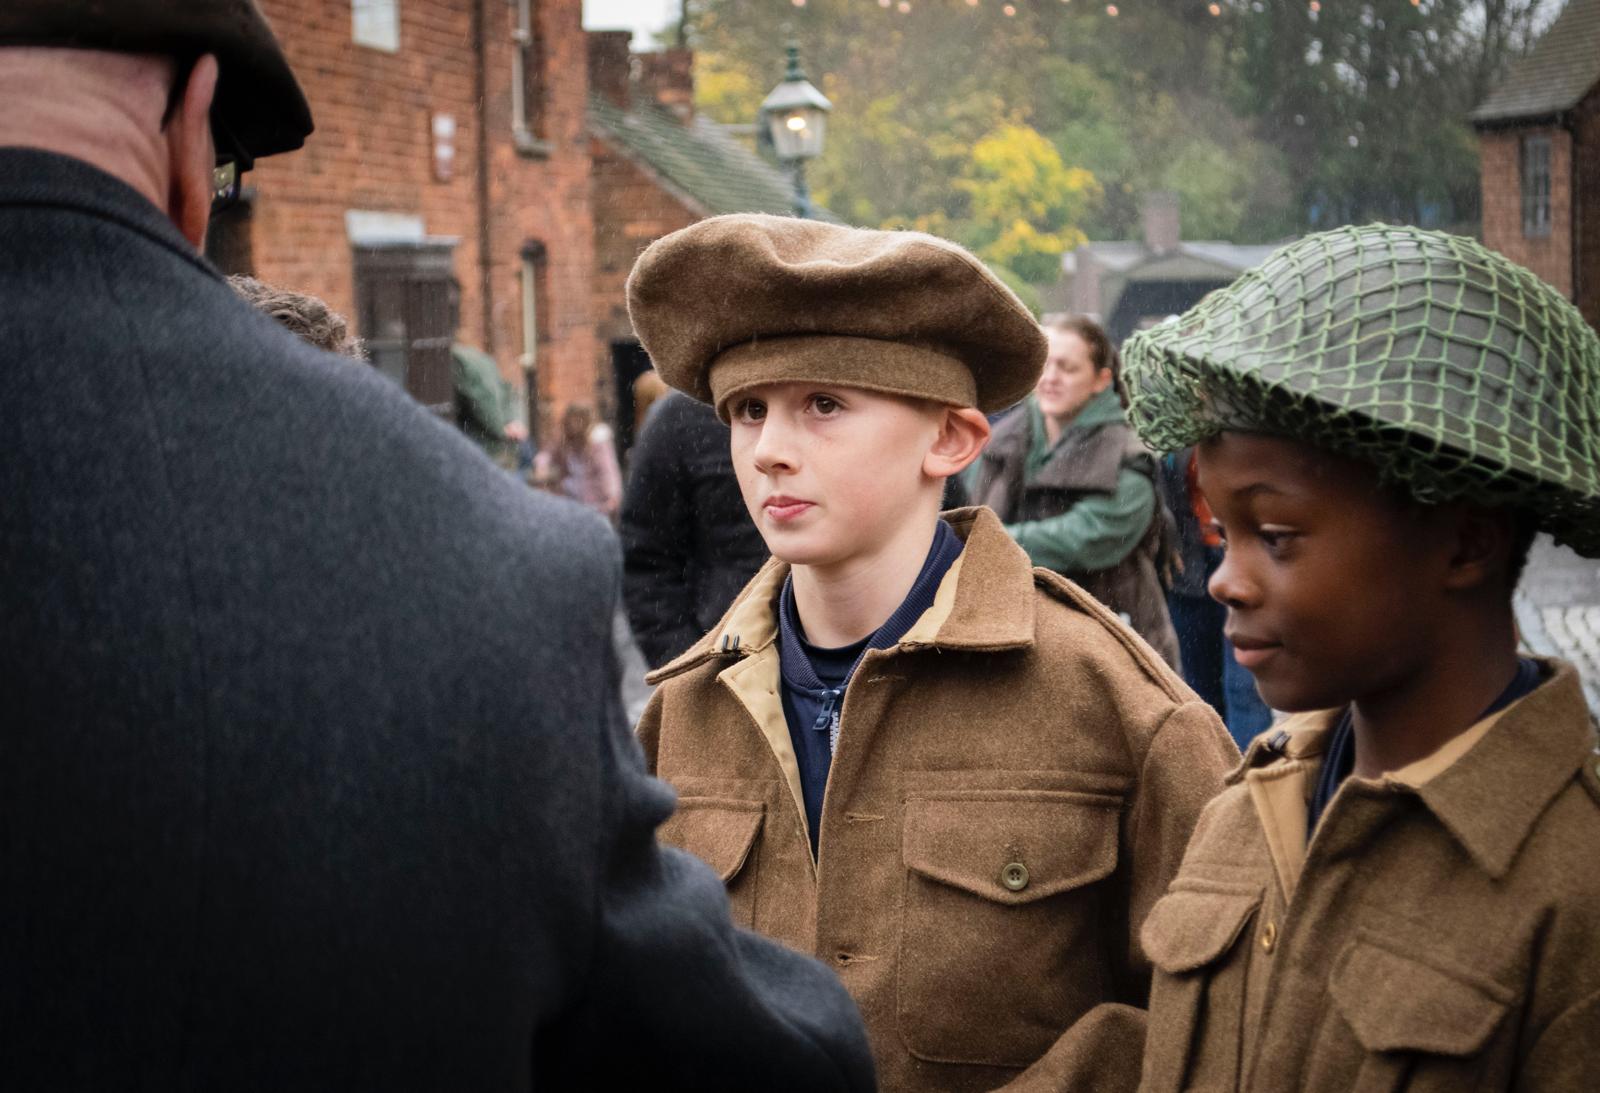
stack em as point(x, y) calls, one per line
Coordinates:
point(1010, 9)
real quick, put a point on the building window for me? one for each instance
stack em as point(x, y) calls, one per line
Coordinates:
point(403, 311)
point(376, 23)
point(1536, 186)
point(527, 82)
point(533, 289)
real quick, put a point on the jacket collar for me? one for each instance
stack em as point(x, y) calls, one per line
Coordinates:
point(32, 176)
point(1490, 797)
point(985, 602)
point(1538, 746)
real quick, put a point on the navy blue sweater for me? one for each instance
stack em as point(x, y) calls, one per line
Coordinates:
point(814, 679)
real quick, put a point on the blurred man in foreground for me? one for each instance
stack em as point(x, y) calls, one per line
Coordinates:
point(313, 772)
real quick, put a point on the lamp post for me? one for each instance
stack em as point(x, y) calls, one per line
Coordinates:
point(796, 119)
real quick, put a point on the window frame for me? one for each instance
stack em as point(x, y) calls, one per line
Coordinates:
point(528, 86)
point(1534, 178)
point(366, 32)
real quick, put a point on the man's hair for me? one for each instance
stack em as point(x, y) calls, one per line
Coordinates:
point(307, 317)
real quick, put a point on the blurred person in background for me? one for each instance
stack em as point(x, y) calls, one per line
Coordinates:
point(1208, 662)
point(688, 543)
point(581, 462)
point(486, 409)
point(314, 772)
point(1075, 487)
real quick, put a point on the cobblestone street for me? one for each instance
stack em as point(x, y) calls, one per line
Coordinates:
point(1558, 610)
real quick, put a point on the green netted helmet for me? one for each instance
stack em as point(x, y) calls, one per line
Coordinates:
point(1454, 371)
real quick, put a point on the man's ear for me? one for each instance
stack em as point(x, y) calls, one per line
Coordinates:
point(963, 432)
point(191, 155)
point(1481, 547)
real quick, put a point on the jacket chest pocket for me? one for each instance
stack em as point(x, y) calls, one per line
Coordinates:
point(1405, 1020)
point(1002, 943)
point(721, 831)
point(1198, 988)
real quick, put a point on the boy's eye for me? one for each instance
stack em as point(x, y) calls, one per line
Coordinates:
point(750, 410)
point(1275, 538)
point(824, 405)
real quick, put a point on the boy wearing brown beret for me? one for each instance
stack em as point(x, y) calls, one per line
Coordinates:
point(957, 779)
point(1397, 890)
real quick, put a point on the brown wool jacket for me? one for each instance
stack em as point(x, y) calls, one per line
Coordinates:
point(1014, 785)
point(1440, 933)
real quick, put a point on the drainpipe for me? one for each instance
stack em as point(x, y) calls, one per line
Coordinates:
point(480, 77)
point(1572, 125)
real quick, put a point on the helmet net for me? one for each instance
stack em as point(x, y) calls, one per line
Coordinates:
point(1455, 372)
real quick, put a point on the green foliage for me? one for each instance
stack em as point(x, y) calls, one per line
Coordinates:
point(1023, 202)
point(1021, 135)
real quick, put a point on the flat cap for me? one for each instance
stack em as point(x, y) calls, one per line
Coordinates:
point(736, 301)
point(258, 98)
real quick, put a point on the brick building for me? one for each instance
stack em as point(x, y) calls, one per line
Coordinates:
point(450, 142)
point(1539, 152)
point(657, 167)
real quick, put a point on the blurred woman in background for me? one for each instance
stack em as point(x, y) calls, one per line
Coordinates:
point(1076, 488)
point(581, 463)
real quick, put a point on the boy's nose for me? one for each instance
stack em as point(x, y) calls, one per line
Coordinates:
point(774, 448)
point(1230, 586)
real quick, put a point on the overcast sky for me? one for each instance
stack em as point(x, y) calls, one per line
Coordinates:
point(643, 17)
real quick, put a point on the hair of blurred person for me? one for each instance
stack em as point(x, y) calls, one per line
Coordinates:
point(307, 317)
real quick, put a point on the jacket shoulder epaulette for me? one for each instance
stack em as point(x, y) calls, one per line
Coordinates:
point(1067, 592)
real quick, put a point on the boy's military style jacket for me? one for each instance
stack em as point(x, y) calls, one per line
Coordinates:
point(1013, 787)
point(1441, 932)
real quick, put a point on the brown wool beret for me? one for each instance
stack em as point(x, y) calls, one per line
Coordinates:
point(736, 301)
point(258, 98)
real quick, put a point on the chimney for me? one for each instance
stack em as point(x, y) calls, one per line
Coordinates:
point(609, 65)
point(667, 77)
point(1159, 211)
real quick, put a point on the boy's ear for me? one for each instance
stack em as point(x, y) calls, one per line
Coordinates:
point(963, 432)
point(1481, 548)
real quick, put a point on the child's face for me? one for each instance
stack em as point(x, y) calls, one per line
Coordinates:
point(1330, 581)
point(830, 474)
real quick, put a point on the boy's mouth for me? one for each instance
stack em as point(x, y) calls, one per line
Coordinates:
point(1251, 652)
point(781, 507)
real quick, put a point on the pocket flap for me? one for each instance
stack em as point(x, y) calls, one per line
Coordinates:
point(1189, 928)
point(718, 830)
point(1397, 1002)
point(1012, 846)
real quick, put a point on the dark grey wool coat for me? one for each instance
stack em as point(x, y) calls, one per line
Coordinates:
point(312, 773)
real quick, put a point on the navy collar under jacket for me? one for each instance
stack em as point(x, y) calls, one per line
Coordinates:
point(810, 706)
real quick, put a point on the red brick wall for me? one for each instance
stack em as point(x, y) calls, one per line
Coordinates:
point(373, 150)
point(1587, 125)
point(1550, 256)
point(631, 211)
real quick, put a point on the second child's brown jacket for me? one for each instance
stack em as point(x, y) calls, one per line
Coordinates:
point(1014, 785)
point(1439, 934)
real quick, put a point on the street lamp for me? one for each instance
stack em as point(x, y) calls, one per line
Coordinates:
point(796, 116)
